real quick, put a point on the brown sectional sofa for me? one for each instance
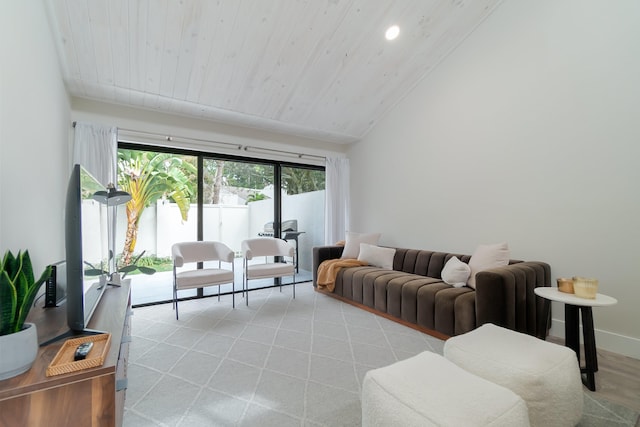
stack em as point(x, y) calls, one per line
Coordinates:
point(414, 293)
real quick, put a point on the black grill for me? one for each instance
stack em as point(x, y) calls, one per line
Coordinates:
point(289, 232)
point(289, 225)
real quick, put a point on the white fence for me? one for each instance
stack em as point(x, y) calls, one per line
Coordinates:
point(161, 225)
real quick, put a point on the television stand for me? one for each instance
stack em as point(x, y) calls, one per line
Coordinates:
point(89, 397)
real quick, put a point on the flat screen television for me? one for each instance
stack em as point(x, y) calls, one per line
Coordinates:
point(86, 246)
point(87, 251)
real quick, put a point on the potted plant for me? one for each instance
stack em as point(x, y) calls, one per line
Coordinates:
point(18, 288)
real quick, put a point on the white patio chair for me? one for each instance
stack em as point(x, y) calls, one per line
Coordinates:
point(194, 252)
point(271, 268)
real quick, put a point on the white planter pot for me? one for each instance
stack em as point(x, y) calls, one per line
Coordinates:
point(18, 351)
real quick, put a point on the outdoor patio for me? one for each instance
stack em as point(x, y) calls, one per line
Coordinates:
point(158, 287)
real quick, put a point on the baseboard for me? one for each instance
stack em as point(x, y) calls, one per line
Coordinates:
point(609, 341)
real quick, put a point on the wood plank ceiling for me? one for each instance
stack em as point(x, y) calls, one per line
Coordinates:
point(313, 68)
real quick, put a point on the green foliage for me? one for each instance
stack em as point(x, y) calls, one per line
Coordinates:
point(252, 176)
point(255, 197)
point(148, 265)
point(133, 267)
point(17, 290)
point(154, 261)
point(299, 180)
point(136, 266)
point(140, 264)
point(248, 175)
point(149, 176)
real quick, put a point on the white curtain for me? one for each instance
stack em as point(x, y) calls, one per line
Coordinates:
point(95, 147)
point(336, 214)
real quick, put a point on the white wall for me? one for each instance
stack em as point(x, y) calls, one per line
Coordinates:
point(528, 133)
point(34, 131)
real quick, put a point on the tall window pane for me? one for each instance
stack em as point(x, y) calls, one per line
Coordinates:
point(303, 214)
point(237, 205)
point(163, 210)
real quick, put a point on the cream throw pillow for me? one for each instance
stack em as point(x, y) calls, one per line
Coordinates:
point(455, 273)
point(352, 244)
point(377, 256)
point(486, 257)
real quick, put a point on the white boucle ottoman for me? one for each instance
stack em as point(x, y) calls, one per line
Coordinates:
point(428, 390)
point(545, 375)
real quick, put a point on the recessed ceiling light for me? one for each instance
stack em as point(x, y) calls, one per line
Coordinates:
point(392, 32)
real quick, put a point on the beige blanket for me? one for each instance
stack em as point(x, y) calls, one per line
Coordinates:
point(328, 271)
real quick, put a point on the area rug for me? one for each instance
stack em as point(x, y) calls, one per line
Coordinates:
point(279, 362)
point(600, 413)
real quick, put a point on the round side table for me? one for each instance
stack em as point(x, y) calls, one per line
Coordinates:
point(573, 307)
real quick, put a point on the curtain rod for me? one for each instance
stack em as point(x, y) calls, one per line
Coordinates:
point(290, 153)
point(247, 148)
point(170, 138)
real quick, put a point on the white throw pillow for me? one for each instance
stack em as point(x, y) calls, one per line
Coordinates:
point(352, 244)
point(377, 256)
point(456, 272)
point(486, 257)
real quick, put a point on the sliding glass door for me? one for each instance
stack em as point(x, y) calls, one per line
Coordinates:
point(302, 214)
point(198, 196)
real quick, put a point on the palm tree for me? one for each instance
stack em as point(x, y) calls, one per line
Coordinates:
point(149, 176)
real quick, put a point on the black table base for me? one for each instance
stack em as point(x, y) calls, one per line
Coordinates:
point(572, 339)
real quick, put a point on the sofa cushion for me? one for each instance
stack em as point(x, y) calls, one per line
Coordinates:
point(456, 272)
point(486, 257)
point(377, 256)
point(352, 244)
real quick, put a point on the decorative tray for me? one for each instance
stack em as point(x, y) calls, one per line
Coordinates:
point(63, 363)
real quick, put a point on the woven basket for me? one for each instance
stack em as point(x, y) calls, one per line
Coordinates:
point(585, 287)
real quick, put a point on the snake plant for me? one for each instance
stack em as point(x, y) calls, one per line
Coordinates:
point(17, 290)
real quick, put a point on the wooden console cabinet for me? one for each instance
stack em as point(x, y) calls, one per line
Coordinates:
point(90, 397)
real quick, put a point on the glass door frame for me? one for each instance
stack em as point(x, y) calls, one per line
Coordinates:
point(278, 165)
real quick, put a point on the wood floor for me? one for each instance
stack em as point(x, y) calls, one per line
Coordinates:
point(617, 379)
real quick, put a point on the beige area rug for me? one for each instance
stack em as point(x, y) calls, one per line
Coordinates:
point(279, 362)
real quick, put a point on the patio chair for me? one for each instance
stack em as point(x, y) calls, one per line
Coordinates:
point(195, 252)
point(278, 267)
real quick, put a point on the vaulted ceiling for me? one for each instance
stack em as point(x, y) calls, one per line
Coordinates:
point(315, 68)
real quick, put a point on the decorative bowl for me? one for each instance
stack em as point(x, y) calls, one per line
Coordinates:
point(585, 287)
point(565, 285)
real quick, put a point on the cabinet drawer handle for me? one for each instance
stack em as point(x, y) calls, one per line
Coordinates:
point(122, 384)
